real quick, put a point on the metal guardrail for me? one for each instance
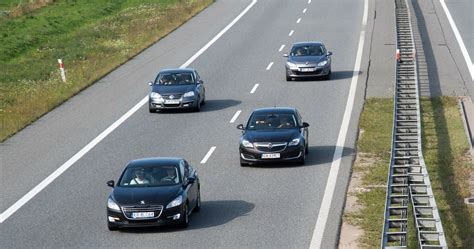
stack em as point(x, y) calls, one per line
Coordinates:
point(408, 180)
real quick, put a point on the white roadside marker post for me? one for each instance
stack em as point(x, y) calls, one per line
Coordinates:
point(61, 69)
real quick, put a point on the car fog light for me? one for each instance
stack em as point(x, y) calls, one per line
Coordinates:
point(176, 216)
point(113, 219)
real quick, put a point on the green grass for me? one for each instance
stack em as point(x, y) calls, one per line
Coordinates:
point(92, 38)
point(445, 151)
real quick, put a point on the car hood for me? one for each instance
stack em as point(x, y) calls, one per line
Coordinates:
point(173, 89)
point(304, 59)
point(131, 196)
point(271, 135)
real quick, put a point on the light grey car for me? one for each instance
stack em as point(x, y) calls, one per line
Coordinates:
point(308, 59)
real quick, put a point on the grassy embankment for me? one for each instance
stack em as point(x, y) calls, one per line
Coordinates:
point(92, 38)
point(445, 150)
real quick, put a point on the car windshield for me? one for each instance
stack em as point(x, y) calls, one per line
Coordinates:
point(150, 176)
point(170, 79)
point(307, 50)
point(271, 121)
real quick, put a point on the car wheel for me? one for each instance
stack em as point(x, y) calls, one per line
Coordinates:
point(302, 160)
point(306, 150)
point(243, 163)
point(185, 219)
point(198, 202)
point(203, 100)
point(111, 227)
point(198, 107)
point(288, 78)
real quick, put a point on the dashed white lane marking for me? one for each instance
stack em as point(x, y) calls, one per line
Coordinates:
point(298, 21)
point(464, 52)
point(281, 48)
point(209, 153)
point(309, 1)
point(269, 65)
point(235, 116)
point(254, 88)
point(323, 215)
point(44, 183)
point(304, 11)
point(291, 33)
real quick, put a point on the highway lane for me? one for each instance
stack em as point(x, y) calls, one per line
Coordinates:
point(251, 207)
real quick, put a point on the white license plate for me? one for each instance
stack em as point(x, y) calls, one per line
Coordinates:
point(271, 156)
point(307, 69)
point(171, 101)
point(143, 215)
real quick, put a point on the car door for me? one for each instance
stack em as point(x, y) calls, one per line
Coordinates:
point(190, 187)
point(304, 131)
point(200, 86)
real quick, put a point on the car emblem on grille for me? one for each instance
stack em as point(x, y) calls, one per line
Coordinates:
point(171, 96)
point(307, 62)
point(270, 145)
point(142, 202)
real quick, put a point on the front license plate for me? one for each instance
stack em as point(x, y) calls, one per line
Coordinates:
point(143, 215)
point(171, 101)
point(271, 156)
point(307, 69)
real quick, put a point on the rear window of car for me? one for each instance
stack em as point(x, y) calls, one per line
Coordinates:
point(271, 121)
point(307, 50)
point(150, 176)
point(168, 79)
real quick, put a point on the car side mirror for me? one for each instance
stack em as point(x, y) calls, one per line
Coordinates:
point(329, 53)
point(150, 83)
point(200, 82)
point(285, 55)
point(305, 125)
point(240, 127)
point(111, 183)
point(191, 180)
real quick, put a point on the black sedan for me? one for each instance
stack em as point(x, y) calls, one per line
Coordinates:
point(308, 59)
point(176, 89)
point(154, 192)
point(272, 135)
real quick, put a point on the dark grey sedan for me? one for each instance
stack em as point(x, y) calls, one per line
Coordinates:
point(308, 59)
point(176, 89)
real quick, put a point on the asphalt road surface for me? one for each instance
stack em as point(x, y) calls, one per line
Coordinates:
point(258, 207)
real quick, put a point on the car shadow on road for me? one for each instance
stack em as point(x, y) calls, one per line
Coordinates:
point(336, 75)
point(211, 105)
point(317, 155)
point(212, 213)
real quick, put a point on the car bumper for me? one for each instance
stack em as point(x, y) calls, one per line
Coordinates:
point(170, 216)
point(252, 155)
point(318, 71)
point(183, 104)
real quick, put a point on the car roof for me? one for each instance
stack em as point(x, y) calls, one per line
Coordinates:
point(143, 162)
point(307, 43)
point(275, 110)
point(177, 70)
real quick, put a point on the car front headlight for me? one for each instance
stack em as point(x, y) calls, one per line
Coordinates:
point(291, 65)
point(176, 202)
point(247, 144)
point(294, 142)
point(155, 95)
point(322, 63)
point(112, 205)
point(189, 94)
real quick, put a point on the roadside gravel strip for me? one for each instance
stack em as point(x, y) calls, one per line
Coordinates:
point(12, 209)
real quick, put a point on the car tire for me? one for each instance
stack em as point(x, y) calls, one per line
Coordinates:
point(306, 150)
point(152, 110)
point(198, 107)
point(302, 160)
point(243, 163)
point(203, 100)
point(111, 227)
point(198, 202)
point(185, 219)
point(288, 78)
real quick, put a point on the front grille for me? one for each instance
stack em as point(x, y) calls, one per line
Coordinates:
point(270, 147)
point(156, 209)
point(175, 96)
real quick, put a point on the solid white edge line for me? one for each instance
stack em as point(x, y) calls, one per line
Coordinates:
point(235, 116)
point(323, 214)
point(43, 184)
point(304, 11)
point(309, 1)
point(269, 66)
point(281, 48)
point(254, 88)
point(209, 153)
point(298, 21)
point(291, 33)
point(464, 52)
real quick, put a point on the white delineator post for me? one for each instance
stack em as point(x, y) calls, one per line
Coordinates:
point(61, 69)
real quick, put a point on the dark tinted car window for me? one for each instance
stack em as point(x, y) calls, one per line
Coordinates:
point(150, 176)
point(271, 121)
point(168, 79)
point(307, 50)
